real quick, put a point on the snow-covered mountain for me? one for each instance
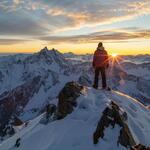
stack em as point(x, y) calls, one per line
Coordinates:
point(55, 69)
point(82, 123)
point(28, 82)
point(132, 79)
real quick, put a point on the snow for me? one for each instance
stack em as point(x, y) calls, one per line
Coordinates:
point(76, 130)
point(9, 143)
point(42, 95)
point(140, 72)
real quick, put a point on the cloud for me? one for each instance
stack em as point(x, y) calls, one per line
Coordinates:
point(89, 12)
point(18, 23)
point(16, 2)
point(10, 5)
point(12, 41)
point(119, 35)
point(43, 17)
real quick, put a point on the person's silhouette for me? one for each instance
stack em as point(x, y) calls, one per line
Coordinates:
point(100, 63)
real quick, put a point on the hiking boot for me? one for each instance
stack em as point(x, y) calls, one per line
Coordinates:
point(95, 87)
point(106, 88)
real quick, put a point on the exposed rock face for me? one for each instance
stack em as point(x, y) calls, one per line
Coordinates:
point(140, 147)
point(50, 113)
point(113, 115)
point(11, 102)
point(125, 138)
point(50, 109)
point(67, 99)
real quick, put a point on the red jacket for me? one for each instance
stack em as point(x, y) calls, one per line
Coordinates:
point(100, 59)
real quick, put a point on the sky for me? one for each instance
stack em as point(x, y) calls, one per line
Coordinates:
point(76, 26)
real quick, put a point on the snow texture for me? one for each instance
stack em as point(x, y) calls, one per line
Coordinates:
point(75, 131)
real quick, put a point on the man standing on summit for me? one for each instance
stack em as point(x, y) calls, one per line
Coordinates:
point(100, 63)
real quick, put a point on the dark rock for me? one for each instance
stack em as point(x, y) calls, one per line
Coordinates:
point(140, 147)
point(50, 113)
point(17, 121)
point(17, 144)
point(50, 110)
point(113, 115)
point(125, 138)
point(7, 130)
point(67, 99)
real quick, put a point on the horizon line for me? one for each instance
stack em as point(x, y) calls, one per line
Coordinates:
point(11, 53)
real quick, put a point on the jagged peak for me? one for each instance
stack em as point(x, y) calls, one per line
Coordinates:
point(46, 51)
point(48, 56)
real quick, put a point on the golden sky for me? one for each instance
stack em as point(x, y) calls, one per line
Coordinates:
point(27, 26)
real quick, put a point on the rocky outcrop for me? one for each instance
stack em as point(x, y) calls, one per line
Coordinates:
point(50, 109)
point(67, 99)
point(113, 115)
point(50, 113)
point(140, 147)
point(17, 122)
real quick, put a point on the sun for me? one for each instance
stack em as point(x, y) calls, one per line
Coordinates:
point(114, 55)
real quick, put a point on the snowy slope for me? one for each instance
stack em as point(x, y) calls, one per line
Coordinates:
point(75, 131)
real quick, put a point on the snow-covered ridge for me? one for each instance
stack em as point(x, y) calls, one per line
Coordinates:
point(76, 129)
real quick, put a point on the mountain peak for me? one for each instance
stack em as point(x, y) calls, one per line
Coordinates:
point(49, 57)
point(44, 50)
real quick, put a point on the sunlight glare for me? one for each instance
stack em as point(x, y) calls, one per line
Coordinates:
point(113, 55)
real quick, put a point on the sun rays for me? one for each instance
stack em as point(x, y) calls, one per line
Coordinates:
point(114, 55)
point(115, 60)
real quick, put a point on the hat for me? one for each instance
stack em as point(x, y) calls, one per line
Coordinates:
point(100, 44)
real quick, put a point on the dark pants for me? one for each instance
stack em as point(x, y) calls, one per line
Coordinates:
point(103, 75)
